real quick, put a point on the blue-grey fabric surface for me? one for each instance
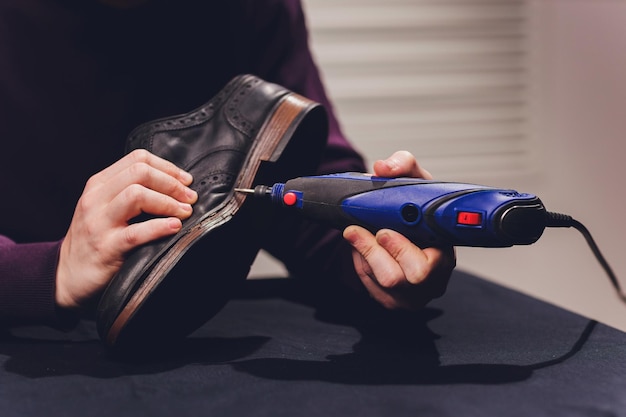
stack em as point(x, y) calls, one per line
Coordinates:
point(480, 350)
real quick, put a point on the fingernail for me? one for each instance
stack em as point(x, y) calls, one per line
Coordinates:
point(175, 224)
point(186, 177)
point(350, 235)
point(191, 194)
point(186, 207)
point(391, 163)
point(383, 237)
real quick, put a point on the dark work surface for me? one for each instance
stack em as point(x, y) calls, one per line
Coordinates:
point(481, 350)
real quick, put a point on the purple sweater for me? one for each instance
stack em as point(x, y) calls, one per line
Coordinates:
point(76, 77)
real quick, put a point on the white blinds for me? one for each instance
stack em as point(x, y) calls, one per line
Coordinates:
point(446, 79)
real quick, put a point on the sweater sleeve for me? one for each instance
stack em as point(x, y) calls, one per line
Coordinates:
point(27, 284)
point(308, 250)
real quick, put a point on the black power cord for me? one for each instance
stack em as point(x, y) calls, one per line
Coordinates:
point(563, 220)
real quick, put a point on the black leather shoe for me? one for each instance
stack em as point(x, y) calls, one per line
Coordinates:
point(251, 132)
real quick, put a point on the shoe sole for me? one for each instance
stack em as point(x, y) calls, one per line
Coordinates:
point(268, 146)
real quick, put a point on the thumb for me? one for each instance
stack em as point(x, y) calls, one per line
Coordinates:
point(400, 164)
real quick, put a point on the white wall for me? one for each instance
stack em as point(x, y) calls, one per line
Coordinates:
point(579, 115)
point(578, 124)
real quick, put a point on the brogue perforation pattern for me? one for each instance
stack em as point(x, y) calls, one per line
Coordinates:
point(215, 178)
point(142, 135)
point(234, 116)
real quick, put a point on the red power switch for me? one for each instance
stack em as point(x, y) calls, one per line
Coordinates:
point(290, 199)
point(469, 218)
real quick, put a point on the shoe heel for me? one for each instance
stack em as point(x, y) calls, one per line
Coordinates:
point(292, 132)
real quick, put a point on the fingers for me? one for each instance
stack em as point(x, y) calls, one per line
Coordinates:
point(139, 183)
point(401, 164)
point(144, 183)
point(137, 199)
point(386, 272)
point(392, 258)
point(376, 291)
point(156, 174)
point(101, 232)
point(413, 262)
point(140, 233)
point(395, 272)
point(142, 156)
point(375, 268)
point(153, 179)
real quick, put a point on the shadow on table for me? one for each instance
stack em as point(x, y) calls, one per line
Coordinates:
point(394, 348)
point(369, 365)
point(38, 357)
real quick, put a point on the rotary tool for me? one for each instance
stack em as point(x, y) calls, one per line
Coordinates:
point(429, 213)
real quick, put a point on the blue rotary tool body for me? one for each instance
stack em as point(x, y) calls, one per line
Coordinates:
point(429, 213)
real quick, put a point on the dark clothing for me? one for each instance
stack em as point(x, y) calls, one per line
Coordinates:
point(77, 76)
